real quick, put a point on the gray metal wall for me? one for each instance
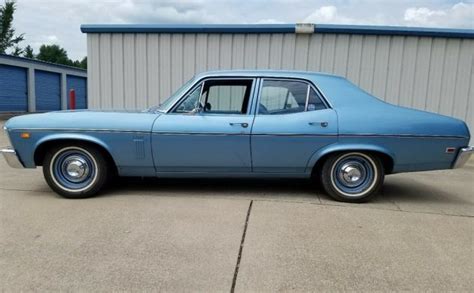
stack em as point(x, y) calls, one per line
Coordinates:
point(133, 71)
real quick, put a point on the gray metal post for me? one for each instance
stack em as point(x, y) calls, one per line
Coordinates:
point(63, 91)
point(31, 90)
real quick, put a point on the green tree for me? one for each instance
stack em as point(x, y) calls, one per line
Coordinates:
point(83, 63)
point(8, 39)
point(28, 52)
point(53, 54)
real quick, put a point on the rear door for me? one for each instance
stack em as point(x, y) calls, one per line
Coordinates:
point(292, 123)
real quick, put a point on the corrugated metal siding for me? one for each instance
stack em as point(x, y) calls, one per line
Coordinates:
point(79, 85)
point(133, 71)
point(13, 89)
point(48, 91)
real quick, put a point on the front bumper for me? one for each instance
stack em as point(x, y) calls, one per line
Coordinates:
point(463, 156)
point(11, 157)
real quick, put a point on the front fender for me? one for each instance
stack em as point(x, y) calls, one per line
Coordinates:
point(72, 136)
point(26, 148)
point(339, 147)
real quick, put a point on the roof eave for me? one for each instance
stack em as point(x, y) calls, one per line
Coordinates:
point(277, 28)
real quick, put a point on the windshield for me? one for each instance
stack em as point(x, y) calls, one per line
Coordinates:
point(163, 107)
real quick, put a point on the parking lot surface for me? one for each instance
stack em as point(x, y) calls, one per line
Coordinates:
point(242, 235)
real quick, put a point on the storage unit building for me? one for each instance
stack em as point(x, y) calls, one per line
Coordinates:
point(13, 88)
point(136, 66)
point(28, 85)
point(79, 85)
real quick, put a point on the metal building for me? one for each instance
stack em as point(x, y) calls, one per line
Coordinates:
point(135, 66)
point(28, 85)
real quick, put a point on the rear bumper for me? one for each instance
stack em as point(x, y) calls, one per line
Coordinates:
point(463, 156)
point(11, 157)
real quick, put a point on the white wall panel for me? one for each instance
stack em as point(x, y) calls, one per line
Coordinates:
point(93, 71)
point(250, 51)
point(165, 66)
point(276, 51)
point(134, 71)
point(105, 55)
point(118, 95)
point(367, 65)
point(141, 68)
point(382, 53)
point(238, 51)
point(315, 49)
point(153, 69)
point(263, 52)
point(129, 76)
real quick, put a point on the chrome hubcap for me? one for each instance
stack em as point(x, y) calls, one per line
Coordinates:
point(350, 173)
point(353, 174)
point(76, 168)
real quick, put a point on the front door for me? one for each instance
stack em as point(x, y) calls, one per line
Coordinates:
point(291, 124)
point(207, 132)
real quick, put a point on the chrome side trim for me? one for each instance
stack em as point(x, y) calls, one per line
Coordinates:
point(80, 130)
point(200, 133)
point(12, 159)
point(310, 135)
point(463, 156)
point(404, 135)
point(268, 134)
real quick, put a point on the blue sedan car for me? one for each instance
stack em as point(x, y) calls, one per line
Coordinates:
point(272, 124)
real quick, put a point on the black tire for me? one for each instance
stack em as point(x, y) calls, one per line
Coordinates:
point(340, 172)
point(84, 157)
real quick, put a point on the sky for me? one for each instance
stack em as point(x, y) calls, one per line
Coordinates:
point(58, 21)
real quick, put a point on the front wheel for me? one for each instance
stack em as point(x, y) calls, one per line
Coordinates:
point(352, 177)
point(75, 171)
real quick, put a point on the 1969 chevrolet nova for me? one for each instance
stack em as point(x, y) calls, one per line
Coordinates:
point(243, 124)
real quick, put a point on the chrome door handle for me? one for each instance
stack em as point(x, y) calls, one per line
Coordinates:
point(244, 125)
point(322, 124)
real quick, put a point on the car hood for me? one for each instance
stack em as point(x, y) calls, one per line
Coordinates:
point(85, 120)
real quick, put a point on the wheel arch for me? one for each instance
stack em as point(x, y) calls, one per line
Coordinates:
point(317, 160)
point(44, 144)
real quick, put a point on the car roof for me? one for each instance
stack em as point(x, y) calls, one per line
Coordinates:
point(337, 90)
point(266, 73)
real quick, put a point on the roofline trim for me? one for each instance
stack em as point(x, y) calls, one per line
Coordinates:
point(277, 28)
point(44, 63)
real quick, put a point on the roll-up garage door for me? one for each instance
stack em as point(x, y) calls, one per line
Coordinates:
point(13, 89)
point(79, 85)
point(48, 91)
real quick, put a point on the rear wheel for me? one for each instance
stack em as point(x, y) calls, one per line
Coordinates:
point(352, 177)
point(75, 171)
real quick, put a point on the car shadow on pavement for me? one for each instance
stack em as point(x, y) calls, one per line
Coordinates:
point(214, 187)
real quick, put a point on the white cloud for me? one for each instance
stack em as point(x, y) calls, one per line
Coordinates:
point(52, 39)
point(268, 21)
point(459, 15)
point(325, 14)
point(332, 15)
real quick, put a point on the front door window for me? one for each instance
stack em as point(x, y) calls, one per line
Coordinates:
point(218, 96)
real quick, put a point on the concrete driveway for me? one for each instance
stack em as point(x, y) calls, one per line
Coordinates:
point(221, 235)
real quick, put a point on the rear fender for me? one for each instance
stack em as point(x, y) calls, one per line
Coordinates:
point(336, 147)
